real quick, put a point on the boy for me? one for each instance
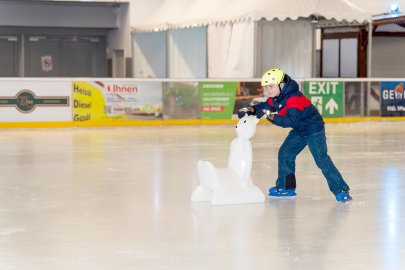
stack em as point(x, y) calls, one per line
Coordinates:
point(296, 111)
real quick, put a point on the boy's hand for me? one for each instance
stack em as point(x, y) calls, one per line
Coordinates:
point(269, 114)
point(249, 111)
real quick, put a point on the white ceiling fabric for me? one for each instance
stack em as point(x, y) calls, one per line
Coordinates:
point(377, 7)
point(174, 14)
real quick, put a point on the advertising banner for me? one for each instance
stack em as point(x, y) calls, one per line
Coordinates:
point(108, 101)
point(392, 99)
point(35, 101)
point(249, 93)
point(327, 97)
point(217, 99)
point(181, 100)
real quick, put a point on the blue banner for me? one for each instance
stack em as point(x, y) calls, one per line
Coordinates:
point(392, 99)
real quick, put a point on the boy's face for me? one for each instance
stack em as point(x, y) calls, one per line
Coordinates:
point(272, 90)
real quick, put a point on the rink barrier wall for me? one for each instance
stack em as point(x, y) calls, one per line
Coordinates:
point(107, 102)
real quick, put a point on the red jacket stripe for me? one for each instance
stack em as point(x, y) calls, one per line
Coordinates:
point(270, 101)
point(297, 102)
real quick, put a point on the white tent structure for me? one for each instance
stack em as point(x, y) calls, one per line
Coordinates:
point(233, 39)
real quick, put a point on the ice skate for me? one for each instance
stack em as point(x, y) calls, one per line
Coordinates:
point(343, 196)
point(280, 192)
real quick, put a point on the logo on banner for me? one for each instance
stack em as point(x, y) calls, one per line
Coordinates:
point(26, 101)
point(392, 99)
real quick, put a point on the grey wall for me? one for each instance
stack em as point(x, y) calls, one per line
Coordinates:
point(36, 14)
point(388, 58)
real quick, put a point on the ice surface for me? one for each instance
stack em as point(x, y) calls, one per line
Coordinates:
point(119, 198)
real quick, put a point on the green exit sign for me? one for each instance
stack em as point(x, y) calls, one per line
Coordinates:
point(326, 96)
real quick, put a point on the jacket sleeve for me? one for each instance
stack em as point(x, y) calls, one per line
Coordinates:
point(262, 106)
point(287, 120)
point(293, 111)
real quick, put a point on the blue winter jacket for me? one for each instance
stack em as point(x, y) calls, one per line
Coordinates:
point(294, 110)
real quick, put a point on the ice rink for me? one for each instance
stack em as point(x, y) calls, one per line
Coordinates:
point(119, 198)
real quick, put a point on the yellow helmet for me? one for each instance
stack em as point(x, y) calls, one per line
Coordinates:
point(273, 76)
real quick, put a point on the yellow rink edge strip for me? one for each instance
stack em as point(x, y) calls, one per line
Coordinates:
point(169, 122)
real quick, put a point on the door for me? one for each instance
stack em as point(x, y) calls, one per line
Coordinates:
point(78, 55)
point(330, 58)
point(9, 56)
point(42, 56)
point(340, 55)
point(343, 52)
point(65, 56)
point(348, 57)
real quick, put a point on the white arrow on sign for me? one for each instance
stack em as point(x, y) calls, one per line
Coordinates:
point(331, 105)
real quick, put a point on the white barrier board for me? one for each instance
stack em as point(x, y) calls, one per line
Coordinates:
point(35, 100)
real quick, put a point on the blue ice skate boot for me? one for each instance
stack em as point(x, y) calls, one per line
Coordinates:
point(280, 192)
point(343, 196)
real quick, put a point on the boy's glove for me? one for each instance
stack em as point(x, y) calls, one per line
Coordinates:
point(269, 115)
point(249, 111)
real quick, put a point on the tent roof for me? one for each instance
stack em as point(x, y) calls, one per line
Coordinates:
point(173, 14)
